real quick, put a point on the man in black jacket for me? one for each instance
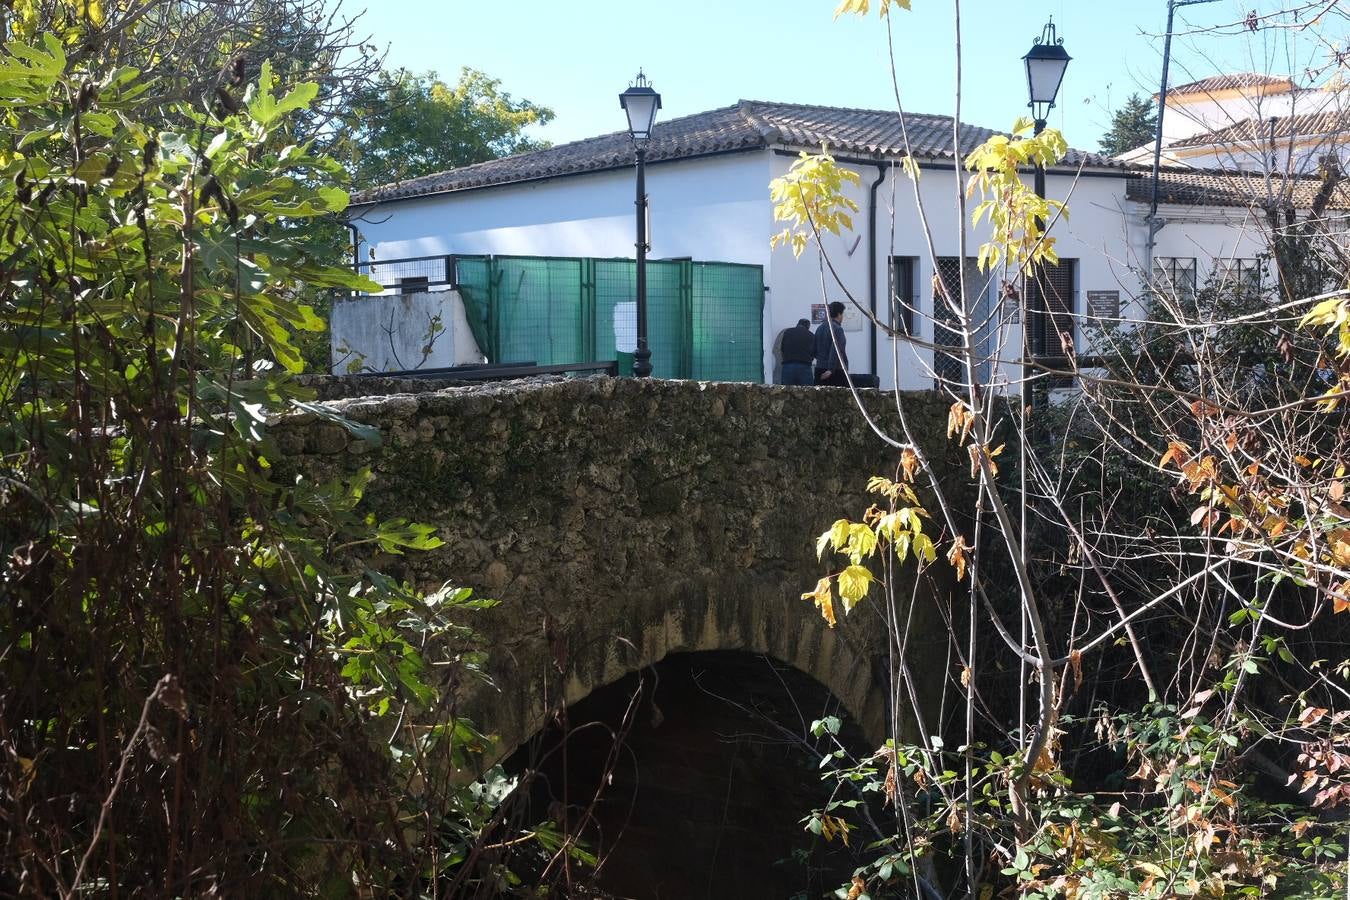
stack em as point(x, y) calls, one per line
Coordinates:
point(831, 360)
point(798, 348)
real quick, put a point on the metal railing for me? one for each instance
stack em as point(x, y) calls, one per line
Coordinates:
point(411, 274)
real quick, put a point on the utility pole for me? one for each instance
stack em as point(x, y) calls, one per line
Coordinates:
point(1151, 220)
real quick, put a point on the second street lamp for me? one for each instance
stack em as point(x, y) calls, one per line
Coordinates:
point(641, 102)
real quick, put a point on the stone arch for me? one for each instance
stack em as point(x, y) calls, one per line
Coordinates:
point(716, 772)
point(847, 661)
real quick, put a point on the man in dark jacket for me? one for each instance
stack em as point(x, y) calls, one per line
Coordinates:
point(831, 360)
point(798, 348)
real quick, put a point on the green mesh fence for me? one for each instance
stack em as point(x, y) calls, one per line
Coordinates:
point(728, 341)
point(704, 319)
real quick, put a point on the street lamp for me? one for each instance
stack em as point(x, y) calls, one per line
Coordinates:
point(641, 102)
point(1045, 63)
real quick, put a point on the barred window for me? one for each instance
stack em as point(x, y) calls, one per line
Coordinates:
point(1238, 275)
point(904, 298)
point(1174, 275)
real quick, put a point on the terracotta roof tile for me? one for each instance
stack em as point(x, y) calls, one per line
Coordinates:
point(1230, 81)
point(1258, 129)
point(1233, 189)
point(749, 125)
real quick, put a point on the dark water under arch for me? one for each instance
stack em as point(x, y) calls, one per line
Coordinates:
point(709, 788)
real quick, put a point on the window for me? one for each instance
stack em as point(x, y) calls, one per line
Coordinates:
point(414, 285)
point(904, 298)
point(1175, 275)
point(1241, 276)
point(1057, 313)
point(949, 366)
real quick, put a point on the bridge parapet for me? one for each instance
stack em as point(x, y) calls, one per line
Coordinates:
point(619, 520)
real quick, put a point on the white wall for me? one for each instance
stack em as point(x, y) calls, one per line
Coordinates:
point(1190, 115)
point(1104, 232)
point(712, 209)
point(389, 332)
point(1095, 234)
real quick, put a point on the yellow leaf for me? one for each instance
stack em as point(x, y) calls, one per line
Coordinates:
point(823, 597)
point(862, 543)
point(854, 582)
point(860, 7)
point(839, 533)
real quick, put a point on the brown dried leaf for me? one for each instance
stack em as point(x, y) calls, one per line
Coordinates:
point(909, 463)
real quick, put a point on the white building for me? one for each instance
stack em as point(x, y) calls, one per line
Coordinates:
point(707, 179)
point(1251, 122)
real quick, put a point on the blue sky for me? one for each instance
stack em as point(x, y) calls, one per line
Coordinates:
point(700, 54)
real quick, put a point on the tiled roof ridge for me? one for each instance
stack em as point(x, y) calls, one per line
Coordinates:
point(746, 125)
point(871, 111)
point(1227, 81)
point(770, 133)
point(1250, 128)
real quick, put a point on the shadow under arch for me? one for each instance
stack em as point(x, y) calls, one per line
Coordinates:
point(716, 767)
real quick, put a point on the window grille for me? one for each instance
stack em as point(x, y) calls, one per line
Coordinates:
point(1174, 275)
point(904, 297)
point(950, 366)
point(1238, 275)
point(1055, 328)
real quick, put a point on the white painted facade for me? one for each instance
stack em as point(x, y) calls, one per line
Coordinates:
point(1264, 107)
point(714, 208)
point(717, 208)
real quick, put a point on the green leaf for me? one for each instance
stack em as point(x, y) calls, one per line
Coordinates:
point(371, 434)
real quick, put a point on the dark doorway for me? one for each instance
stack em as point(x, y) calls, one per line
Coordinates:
point(707, 795)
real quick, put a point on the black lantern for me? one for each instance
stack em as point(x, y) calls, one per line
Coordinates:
point(1045, 62)
point(640, 102)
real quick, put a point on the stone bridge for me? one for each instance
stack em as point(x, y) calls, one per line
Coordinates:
point(622, 520)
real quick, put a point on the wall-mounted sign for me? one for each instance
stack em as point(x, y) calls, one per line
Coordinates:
point(853, 319)
point(625, 326)
point(1103, 307)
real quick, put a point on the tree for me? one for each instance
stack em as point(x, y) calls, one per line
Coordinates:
point(404, 125)
point(191, 50)
point(1133, 125)
point(1173, 536)
point(200, 667)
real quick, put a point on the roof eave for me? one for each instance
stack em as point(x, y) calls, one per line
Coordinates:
point(510, 182)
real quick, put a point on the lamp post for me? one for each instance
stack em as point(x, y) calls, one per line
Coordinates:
point(1045, 63)
point(641, 102)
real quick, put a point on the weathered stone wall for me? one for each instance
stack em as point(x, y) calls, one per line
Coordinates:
point(619, 520)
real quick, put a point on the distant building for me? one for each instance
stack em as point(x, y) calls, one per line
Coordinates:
point(1250, 122)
